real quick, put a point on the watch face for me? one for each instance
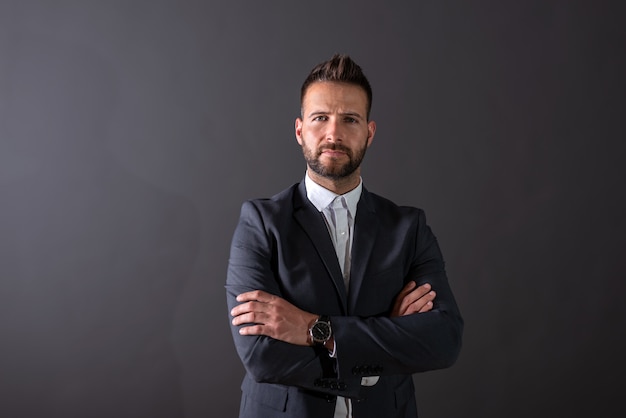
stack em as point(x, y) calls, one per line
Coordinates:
point(320, 332)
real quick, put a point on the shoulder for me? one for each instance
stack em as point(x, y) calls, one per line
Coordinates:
point(385, 207)
point(403, 220)
point(278, 204)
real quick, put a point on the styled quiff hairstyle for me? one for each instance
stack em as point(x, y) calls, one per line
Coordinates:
point(339, 68)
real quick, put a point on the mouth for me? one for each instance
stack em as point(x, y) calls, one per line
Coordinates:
point(334, 152)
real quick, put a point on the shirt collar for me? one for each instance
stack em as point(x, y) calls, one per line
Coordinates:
point(322, 197)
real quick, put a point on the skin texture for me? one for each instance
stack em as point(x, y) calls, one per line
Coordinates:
point(334, 134)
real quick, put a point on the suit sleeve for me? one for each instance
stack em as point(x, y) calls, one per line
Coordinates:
point(266, 359)
point(408, 344)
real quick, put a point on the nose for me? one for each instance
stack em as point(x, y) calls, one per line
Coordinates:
point(333, 131)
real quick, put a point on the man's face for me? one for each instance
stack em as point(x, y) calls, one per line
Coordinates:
point(333, 131)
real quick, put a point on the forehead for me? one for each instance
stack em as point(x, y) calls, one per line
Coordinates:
point(333, 95)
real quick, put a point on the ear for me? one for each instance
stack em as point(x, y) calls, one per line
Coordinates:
point(371, 130)
point(298, 129)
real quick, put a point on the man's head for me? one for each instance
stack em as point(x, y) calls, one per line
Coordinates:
point(334, 129)
point(339, 68)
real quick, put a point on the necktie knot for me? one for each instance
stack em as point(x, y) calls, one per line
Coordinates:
point(338, 203)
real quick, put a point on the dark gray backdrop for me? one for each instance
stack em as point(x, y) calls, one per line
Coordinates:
point(131, 131)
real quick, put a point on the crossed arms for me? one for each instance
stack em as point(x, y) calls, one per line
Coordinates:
point(261, 313)
point(421, 331)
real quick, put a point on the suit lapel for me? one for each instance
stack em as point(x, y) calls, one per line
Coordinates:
point(365, 231)
point(313, 224)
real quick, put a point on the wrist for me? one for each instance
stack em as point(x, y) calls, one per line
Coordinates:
point(320, 331)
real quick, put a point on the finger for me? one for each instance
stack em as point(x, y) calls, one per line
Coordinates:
point(423, 304)
point(418, 291)
point(414, 296)
point(253, 306)
point(427, 307)
point(250, 318)
point(253, 330)
point(257, 295)
point(397, 306)
point(410, 286)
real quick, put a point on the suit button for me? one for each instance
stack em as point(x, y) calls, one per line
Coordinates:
point(342, 386)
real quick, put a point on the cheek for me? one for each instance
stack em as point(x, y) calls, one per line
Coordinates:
point(310, 136)
point(311, 130)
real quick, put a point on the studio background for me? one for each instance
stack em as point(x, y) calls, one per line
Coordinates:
point(132, 131)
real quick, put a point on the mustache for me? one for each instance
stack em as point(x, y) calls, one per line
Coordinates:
point(335, 147)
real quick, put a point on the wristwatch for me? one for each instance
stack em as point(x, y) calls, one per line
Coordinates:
point(321, 330)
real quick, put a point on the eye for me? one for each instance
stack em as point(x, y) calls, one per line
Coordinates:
point(350, 119)
point(320, 118)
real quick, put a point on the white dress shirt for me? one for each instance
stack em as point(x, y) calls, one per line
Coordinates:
point(339, 212)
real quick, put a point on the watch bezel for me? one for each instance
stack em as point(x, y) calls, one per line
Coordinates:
point(321, 330)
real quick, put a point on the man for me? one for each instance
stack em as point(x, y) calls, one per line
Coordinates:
point(337, 295)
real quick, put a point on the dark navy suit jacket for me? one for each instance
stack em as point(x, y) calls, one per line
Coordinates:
point(282, 246)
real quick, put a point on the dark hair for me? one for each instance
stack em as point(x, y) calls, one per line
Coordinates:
point(342, 69)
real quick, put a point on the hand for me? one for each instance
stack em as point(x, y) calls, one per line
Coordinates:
point(413, 299)
point(272, 316)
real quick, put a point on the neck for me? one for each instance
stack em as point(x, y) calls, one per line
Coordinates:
point(338, 186)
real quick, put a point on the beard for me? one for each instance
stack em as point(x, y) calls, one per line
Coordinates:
point(334, 170)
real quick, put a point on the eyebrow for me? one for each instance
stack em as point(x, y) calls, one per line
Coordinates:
point(321, 112)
